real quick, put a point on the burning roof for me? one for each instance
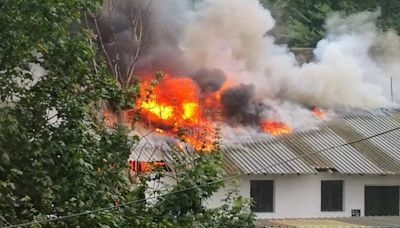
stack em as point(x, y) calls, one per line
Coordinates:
point(178, 107)
point(224, 69)
point(377, 155)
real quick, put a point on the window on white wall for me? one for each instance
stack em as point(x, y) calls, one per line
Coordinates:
point(262, 192)
point(332, 195)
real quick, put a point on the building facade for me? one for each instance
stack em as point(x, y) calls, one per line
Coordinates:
point(321, 195)
point(347, 166)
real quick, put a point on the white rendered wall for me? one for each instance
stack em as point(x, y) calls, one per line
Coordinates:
point(299, 196)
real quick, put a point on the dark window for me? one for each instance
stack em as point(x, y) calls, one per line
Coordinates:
point(381, 200)
point(262, 192)
point(332, 195)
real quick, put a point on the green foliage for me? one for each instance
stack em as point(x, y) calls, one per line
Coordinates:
point(300, 23)
point(179, 207)
point(57, 158)
point(235, 211)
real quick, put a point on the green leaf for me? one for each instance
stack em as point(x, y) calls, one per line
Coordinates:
point(16, 171)
point(25, 199)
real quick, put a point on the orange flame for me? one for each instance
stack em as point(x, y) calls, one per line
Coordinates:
point(172, 105)
point(176, 107)
point(275, 128)
point(174, 101)
point(318, 112)
point(142, 166)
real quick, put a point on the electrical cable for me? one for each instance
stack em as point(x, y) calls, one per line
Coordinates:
point(202, 185)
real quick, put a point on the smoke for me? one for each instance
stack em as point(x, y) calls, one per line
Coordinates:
point(217, 40)
point(209, 80)
point(240, 105)
point(346, 73)
point(143, 33)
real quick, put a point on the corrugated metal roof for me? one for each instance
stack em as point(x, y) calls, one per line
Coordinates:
point(254, 155)
point(147, 152)
point(377, 155)
point(165, 151)
point(270, 155)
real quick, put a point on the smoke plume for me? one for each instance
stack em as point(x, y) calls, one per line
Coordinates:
point(209, 80)
point(217, 40)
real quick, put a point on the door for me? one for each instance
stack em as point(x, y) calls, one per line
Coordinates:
point(381, 200)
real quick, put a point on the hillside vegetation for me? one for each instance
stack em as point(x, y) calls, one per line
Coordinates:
point(300, 23)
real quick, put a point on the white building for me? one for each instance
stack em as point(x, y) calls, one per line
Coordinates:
point(347, 166)
point(358, 179)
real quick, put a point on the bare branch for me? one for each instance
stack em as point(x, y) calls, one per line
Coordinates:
point(101, 39)
point(138, 17)
point(123, 63)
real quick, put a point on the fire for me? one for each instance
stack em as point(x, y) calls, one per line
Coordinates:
point(176, 107)
point(161, 111)
point(173, 108)
point(226, 85)
point(141, 166)
point(275, 128)
point(172, 102)
point(201, 139)
point(189, 110)
point(318, 112)
point(213, 99)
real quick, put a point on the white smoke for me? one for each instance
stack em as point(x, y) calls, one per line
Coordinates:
point(352, 68)
point(231, 35)
point(345, 72)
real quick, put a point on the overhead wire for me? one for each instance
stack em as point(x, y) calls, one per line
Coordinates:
point(202, 185)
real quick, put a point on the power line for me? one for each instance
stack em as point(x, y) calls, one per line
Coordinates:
point(202, 185)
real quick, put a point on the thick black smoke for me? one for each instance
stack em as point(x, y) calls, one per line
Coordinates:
point(142, 34)
point(240, 105)
point(209, 80)
point(159, 50)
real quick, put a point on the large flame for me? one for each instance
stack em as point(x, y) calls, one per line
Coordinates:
point(275, 128)
point(172, 102)
point(173, 107)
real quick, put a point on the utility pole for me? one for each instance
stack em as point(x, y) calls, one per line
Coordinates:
point(391, 87)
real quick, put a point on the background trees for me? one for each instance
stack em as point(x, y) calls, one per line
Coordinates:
point(300, 23)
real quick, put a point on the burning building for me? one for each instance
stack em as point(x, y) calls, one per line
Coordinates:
point(347, 166)
point(222, 69)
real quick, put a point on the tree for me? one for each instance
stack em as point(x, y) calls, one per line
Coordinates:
point(122, 48)
point(58, 158)
point(201, 174)
point(300, 23)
